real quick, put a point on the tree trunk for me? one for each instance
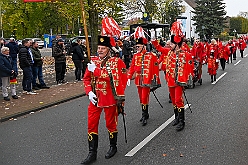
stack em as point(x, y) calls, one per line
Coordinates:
point(93, 27)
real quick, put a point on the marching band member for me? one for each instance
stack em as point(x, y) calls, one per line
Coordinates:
point(108, 74)
point(213, 60)
point(232, 49)
point(145, 67)
point(224, 52)
point(164, 51)
point(241, 46)
point(178, 74)
point(197, 53)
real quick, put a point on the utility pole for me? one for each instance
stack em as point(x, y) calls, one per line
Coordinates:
point(1, 20)
point(190, 28)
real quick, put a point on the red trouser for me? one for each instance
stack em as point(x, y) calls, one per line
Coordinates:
point(111, 118)
point(144, 93)
point(176, 94)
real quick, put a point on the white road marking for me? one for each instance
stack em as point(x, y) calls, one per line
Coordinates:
point(246, 55)
point(237, 62)
point(219, 78)
point(152, 135)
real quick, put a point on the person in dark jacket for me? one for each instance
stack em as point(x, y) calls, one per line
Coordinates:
point(37, 67)
point(1, 45)
point(86, 56)
point(26, 62)
point(6, 71)
point(54, 42)
point(1, 42)
point(60, 60)
point(13, 51)
point(78, 58)
point(127, 51)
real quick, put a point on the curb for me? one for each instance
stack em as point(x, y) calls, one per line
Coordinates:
point(19, 114)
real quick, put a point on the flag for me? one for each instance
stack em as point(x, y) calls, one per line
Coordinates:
point(110, 27)
point(139, 32)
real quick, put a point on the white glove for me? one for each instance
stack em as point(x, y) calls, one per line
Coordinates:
point(91, 66)
point(152, 34)
point(92, 97)
point(128, 82)
point(217, 60)
point(193, 57)
point(115, 50)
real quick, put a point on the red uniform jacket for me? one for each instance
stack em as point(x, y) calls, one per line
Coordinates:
point(146, 69)
point(198, 52)
point(185, 47)
point(224, 52)
point(235, 44)
point(242, 44)
point(164, 53)
point(103, 89)
point(178, 75)
point(212, 56)
point(231, 47)
point(205, 52)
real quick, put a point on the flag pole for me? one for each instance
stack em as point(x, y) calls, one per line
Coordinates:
point(85, 29)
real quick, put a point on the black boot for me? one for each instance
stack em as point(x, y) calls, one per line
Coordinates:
point(176, 120)
point(181, 123)
point(145, 114)
point(170, 101)
point(212, 78)
point(93, 144)
point(113, 149)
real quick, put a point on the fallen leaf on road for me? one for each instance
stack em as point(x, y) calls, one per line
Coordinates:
point(181, 155)
point(164, 154)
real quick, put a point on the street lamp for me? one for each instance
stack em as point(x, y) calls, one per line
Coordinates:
point(190, 28)
point(1, 20)
point(234, 31)
point(203, 27)
point(79, 32)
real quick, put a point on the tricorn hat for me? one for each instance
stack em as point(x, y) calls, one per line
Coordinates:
point(142, 41)
point(106, 41)
point(176, 39)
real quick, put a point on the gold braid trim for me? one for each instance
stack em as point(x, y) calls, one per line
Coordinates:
point(111, 136)
point(180, 109)
point(90, 138)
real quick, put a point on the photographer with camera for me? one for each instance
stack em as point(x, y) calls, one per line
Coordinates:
point(7, 74)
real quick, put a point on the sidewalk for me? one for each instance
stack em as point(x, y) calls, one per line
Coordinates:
point(45, 98)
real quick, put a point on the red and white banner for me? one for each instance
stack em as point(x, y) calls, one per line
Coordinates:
point(139, 32)
point(110, 27)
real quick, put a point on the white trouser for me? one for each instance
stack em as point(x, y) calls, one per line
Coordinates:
point(5, 84)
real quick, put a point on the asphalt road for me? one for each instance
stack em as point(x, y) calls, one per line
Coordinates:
point(215, 133)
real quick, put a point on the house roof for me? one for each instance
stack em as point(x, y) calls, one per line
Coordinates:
point(191, 3)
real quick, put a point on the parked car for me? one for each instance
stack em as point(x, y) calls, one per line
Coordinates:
point(39, 41)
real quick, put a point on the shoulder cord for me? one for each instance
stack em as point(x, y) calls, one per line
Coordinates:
point(111, 79)
point(142, 68)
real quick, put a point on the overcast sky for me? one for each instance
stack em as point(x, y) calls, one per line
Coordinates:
point(233, 7)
